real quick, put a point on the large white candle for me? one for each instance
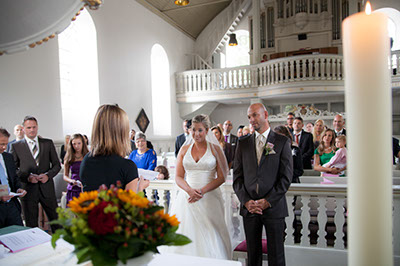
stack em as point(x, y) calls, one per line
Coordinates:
point(366, 50)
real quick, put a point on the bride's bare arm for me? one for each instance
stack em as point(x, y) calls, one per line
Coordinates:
point(180, 175)
point(216, 182)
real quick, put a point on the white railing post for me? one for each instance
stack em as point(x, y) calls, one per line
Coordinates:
point(322, 220)
point(334, 68)
point(289, 221)
point(305, 220)
point(339, 222)
point(323, 64)
point(328, 69)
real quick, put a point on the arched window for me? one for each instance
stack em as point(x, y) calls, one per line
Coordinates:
point(239, 55)
point(161, 91)
point(79, 80)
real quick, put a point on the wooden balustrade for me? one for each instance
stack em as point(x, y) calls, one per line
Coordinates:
point(317, 213)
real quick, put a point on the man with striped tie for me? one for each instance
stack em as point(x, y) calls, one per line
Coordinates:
point(37, 163)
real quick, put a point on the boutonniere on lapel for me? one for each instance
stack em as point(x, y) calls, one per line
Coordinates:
point(269, 148)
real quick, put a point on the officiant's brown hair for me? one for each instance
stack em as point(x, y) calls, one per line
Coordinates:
point(110, 132)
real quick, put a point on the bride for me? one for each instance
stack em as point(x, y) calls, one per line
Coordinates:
point(199, 204)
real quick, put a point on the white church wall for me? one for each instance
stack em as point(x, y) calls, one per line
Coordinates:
point(30, 85)
point(124, 57)
point(126, 32)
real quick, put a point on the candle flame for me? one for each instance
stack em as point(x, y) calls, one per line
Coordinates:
point(368, 8)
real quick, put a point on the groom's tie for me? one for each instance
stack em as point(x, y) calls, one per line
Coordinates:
point(260, 147)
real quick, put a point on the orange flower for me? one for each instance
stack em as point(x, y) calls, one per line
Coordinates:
point(172, 220)
point(131, 197)
point(84, 203)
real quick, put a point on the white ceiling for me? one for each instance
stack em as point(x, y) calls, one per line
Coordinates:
point(190, 19)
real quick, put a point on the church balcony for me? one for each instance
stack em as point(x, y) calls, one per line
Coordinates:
point(315, 75)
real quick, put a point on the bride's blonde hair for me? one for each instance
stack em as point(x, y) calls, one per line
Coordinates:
point(204, 119)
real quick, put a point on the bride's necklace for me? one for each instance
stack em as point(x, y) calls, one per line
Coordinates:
point(78, 157)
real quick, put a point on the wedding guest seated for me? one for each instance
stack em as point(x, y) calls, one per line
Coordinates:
point(317, 132)
point(296, 153)
point(10, 208)
point(239, 132)
point(226, 147)
point(133, 145)
point(163, 175)
point(339, 159)
point(143, 157)
point(77, 149)
point(246, 131)
point(105, 163)
point(64, 148)
point(163, 172)
point(324, 152)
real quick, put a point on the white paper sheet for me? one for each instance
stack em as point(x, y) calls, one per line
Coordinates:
point(15, 194)
point(148, 174)
point(24, 239)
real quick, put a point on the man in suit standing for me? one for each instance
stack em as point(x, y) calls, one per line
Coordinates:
point(229, 138)
point(10, 209)
point(182, 137)
point(304, 141)
point(262, 174)
point(289, 121)
point(37, 163)
point(338, 125)
point(19, 134)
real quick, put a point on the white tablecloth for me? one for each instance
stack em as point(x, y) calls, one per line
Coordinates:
point(44, 254)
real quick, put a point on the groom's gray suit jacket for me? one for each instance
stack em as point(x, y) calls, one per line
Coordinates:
point(269, 180)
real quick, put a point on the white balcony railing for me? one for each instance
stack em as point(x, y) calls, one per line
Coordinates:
point(283, 71)
point(317, 213)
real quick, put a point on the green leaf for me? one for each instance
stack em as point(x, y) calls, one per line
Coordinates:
point(176, 240)
point(56, 236)
point(125, 253)
point(83, 254)
point(101, 258)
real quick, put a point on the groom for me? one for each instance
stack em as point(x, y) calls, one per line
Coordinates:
point(262, 173)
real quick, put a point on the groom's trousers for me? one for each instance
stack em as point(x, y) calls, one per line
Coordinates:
point(274, 228)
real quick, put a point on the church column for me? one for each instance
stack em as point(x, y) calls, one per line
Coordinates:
point(256, 32)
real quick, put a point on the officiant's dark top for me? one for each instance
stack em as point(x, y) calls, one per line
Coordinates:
point(106, 170)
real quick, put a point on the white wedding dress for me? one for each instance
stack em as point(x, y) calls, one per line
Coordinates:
point(203, 221)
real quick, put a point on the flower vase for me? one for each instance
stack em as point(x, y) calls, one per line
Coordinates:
point(143, 260)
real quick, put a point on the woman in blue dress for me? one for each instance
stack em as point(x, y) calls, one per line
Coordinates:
point(143, 157)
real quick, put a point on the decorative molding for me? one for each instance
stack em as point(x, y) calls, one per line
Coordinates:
point(307, 112)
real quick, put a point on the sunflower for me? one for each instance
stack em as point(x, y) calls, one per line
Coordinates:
point(84, 203)
point(131, 197)
point(172, 220)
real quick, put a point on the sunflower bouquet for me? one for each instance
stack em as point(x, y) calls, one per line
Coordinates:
point(109, 225)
